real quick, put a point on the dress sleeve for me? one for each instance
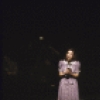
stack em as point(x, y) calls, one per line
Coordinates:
point(78, 67)
point(60, 66)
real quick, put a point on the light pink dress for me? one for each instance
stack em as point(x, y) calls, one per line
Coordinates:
point(68, 88)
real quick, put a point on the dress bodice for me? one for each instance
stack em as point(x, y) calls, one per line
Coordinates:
point(74, 65)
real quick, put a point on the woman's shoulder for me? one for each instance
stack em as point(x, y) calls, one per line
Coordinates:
point(62, 61)
point(75, 62)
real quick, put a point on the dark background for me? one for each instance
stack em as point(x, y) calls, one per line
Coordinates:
point(63, 25)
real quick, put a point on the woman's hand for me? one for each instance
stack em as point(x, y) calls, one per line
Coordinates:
point(68, 71)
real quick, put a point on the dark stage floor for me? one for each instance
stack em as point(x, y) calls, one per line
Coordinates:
point(31, 93)
point(20, 89)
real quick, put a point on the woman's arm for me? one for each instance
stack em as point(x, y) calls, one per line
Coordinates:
point(64, 73)
point(61, 73)
point(74, 75)
point(68, 72)
point(77, 70)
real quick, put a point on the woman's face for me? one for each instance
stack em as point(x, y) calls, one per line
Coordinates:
point(69, 55)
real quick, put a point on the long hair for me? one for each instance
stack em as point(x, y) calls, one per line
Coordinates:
point(74, 58)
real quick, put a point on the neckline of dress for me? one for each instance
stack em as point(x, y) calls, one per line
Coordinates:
point(70, 62)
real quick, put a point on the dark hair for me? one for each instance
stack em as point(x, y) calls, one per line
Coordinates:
point(74, 58)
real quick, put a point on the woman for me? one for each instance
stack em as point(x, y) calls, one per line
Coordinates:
point(69, 69)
